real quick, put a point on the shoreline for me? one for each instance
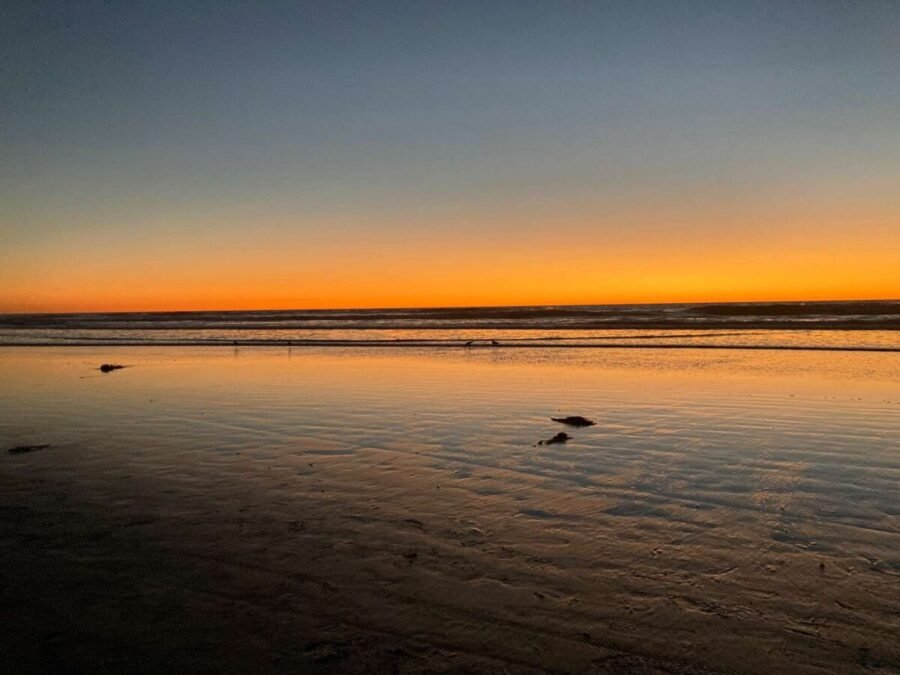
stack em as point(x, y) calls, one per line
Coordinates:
point(458, 344)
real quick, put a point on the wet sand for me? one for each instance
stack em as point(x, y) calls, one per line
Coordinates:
point(254, 511)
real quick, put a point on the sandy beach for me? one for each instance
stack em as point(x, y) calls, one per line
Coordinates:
point(261, 510)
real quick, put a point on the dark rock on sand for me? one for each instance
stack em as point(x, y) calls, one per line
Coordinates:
point(22, 449)
point(574, 421)
point(561, 437)
point(109, 367)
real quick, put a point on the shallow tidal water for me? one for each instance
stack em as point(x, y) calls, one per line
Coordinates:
point(731, 511)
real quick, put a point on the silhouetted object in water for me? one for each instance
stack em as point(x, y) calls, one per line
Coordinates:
point(22, 449)
point(561, 437)
point(109, 367)
point(574, 421)
point(469, 343)
point(494, 343)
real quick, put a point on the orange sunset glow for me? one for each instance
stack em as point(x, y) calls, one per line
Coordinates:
point(556, 257)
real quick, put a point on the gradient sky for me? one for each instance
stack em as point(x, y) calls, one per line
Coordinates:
point(190, 155)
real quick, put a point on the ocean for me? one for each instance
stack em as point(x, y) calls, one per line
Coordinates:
point(871, 325)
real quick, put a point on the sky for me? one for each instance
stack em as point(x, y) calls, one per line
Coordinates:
point(234, 155)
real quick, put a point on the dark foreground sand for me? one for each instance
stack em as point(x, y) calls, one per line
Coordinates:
point(159, 540)
point(127, 579)
point(332, 585)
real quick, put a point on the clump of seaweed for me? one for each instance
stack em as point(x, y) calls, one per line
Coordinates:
point(561, 437)
point(574, 421)
point(22, 449)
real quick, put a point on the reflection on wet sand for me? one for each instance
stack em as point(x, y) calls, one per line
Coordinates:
point(354, 511)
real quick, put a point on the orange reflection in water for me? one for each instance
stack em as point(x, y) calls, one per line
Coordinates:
point(547, 378)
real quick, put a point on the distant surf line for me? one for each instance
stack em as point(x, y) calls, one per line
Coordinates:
point(454, 340)
point(740, 324)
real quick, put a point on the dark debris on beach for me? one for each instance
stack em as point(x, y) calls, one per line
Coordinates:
point(561, 437)
point(574, 421)
point(22, 449)
point(109, 367)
